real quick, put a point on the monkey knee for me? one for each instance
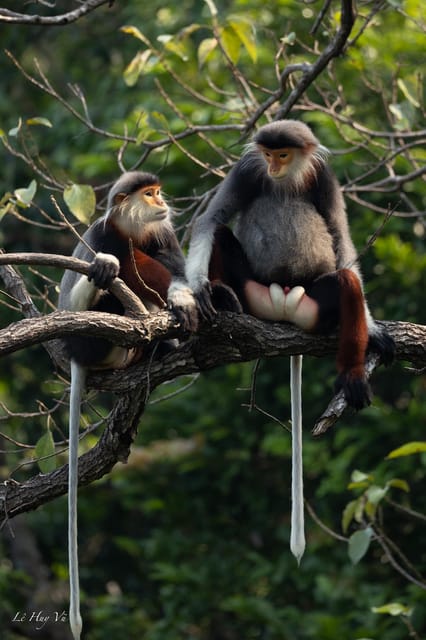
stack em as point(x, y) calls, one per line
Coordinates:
point(224, 298)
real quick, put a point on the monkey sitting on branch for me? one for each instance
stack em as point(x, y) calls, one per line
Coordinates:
point(134, 240)
point(289, 258)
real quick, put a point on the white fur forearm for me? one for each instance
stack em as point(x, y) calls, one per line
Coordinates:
point(200, 250)
point(83, 295)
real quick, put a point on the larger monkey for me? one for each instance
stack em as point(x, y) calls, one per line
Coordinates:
point(290, 258)
point(134, 240)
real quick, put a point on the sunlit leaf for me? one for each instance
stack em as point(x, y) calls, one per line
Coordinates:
point(407, 450)
point(44, 122)
point(25, 196)
point(246, 34)
point(16, 130)
point(359, 543)
point(399, 484)
point(45, 448)
point(136, 67)
point(205, 49)
point(407, 94)
point(375, 493)
point(81, 201)
point(231, 43)
point(393, 609)
point(360, 476)
point(290, 38)
point(134, 31)
point(175, 45)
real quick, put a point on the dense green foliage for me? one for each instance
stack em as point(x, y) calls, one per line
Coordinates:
point(190, 540)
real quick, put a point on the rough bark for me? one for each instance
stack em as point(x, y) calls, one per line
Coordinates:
point(230, 338)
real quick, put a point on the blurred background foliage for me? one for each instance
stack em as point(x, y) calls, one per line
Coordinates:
point(190, 539)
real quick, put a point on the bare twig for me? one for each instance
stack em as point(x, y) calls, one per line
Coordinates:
point(13, 17)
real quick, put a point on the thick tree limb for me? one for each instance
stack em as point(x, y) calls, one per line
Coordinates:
point(229, 338)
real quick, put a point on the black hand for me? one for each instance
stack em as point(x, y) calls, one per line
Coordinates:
point(103, 271)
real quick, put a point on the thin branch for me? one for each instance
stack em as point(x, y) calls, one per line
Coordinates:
point(13, 17)
point(129, 300)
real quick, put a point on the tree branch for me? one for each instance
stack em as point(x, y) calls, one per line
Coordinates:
point(13, 17)
point(230, 338)
point(130, 301)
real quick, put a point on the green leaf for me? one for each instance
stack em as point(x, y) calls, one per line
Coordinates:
point(348, 514)
point(134, 31)
point(399, 484)
point(246, 34)
point(5, 209)
point(161, 119)
point(401, 84)
point(136, 67)
point(231, 43)
point(375, 493)
point(44, 122)
point(81, 201)
point(46, 447)
point(205, 49)
point(407, 450)
point(360, 476)
point(359, 543)
point(25, 196)
point(175, 45)
point(393, 609)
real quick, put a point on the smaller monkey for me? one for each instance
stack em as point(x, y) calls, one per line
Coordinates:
point(134, 240)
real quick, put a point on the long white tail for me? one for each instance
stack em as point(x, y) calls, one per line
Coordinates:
point(297, 536)
point(78, 377)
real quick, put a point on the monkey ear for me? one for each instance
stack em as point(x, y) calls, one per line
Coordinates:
point(119, 197)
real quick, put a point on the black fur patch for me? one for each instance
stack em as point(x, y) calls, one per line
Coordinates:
point(285, 133)
point(130, 182)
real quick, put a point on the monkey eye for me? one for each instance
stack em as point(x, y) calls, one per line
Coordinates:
point(283, 155)
point(148, 193)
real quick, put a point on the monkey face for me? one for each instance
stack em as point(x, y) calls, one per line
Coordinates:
point(153, 202)
point(277, 160)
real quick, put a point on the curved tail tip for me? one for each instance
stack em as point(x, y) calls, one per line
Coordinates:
point(298, 549)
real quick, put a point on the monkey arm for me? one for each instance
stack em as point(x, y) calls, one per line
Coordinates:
point(180, 298)
point(86, 290)
point(228, 200)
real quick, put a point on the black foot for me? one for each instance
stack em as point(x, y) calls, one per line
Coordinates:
point(357, 391)
point(381, 342)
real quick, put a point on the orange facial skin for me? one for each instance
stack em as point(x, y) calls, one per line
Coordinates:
point(278, 160)
point(152, 196)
